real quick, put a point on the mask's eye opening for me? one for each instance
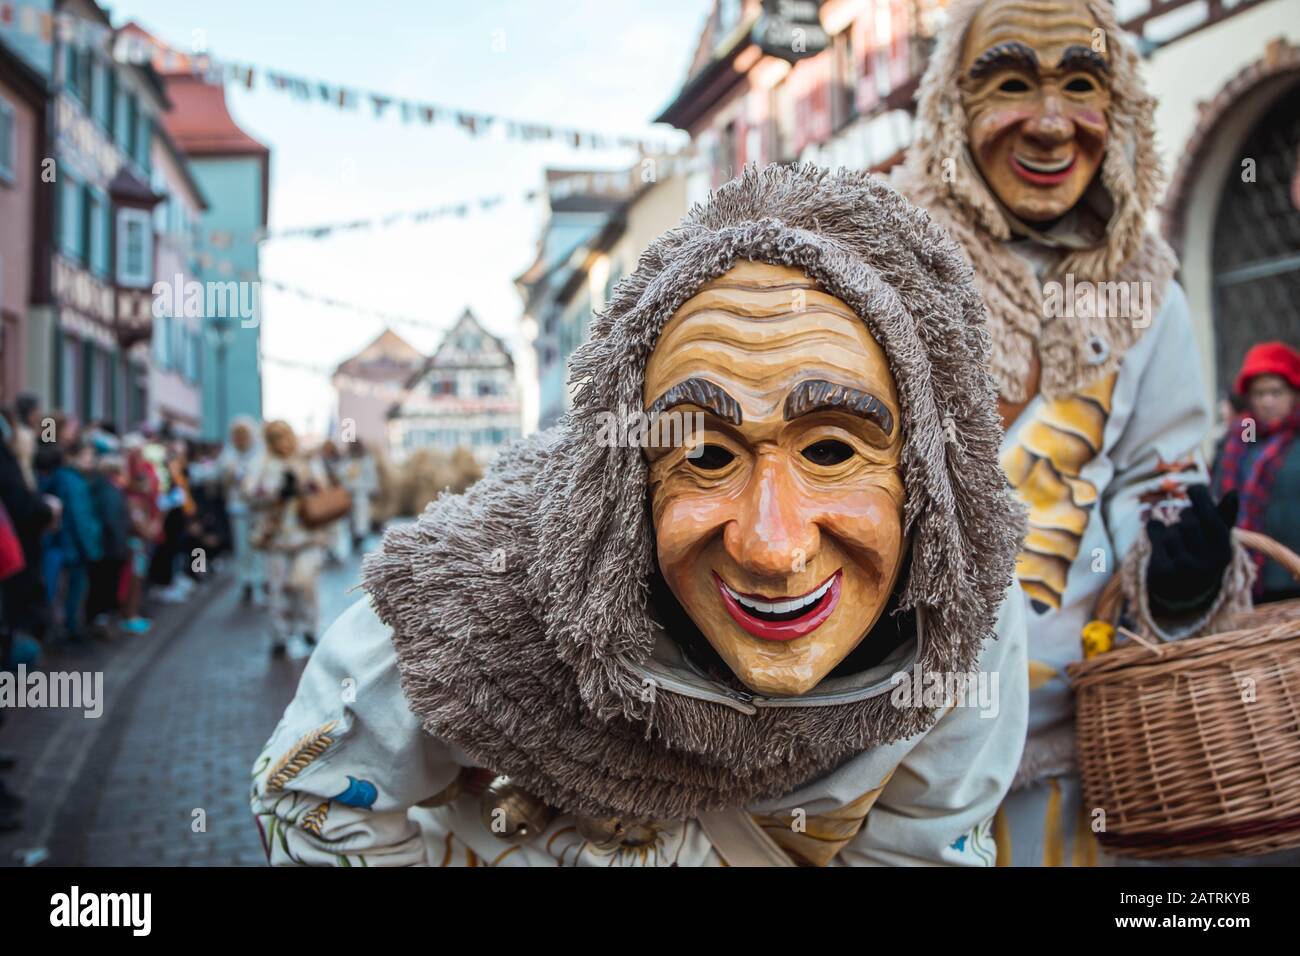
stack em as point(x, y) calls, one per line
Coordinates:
point(828, 452)
point(1014, 85)
point(712, 458)
point(1080, 84)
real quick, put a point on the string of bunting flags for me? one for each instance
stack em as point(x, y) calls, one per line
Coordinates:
point(130, 47)
point(597, 182)
point(352, 383)
point(392, 318)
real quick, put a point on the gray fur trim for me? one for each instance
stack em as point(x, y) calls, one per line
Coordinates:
point(1051, 753)
point(1233, 598)
point(534, 671)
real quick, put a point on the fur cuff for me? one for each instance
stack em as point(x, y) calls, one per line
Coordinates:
point(1232, 599)
point(1047, 754)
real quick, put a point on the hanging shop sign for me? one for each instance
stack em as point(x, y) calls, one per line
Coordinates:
point(791, 29)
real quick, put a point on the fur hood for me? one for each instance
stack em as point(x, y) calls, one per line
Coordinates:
point(520, 610)
point(940, 175)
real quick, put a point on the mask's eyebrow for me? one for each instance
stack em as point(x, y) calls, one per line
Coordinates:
point(1009, 54)
point(1083, 58)
point(815, 395)
point(701, 392)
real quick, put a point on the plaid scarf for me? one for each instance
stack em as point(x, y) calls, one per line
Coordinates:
point(1254, 487)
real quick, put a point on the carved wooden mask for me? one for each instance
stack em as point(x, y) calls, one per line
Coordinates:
point(1035, 81)
point(783, 537)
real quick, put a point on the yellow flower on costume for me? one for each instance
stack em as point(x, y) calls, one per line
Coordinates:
point(1098, 637)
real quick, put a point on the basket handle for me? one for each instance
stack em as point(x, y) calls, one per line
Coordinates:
point(1111, 599)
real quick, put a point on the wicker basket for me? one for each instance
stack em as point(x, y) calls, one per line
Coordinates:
point(1174, 749)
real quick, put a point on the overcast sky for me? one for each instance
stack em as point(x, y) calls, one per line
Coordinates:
point(598, 64)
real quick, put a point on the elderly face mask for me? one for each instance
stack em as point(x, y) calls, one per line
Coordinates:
point(782, 536)
point(1035, 83)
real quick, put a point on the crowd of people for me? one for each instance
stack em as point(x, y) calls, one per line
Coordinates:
point(98, 528)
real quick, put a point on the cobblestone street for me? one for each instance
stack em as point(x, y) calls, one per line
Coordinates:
point(186, 711)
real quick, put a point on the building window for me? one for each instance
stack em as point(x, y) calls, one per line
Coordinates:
point(725, 167)
point(95, 232)
point(98, 90)
point(87, 411)
point(143, 139)
point(69, 373)
point(79, 65)
point(130, 126)
point(70, 226)
point(192, 356)
point(162, 341)
point(110, 101)
point(8, 143)
point(844, 99)
point(134, 248)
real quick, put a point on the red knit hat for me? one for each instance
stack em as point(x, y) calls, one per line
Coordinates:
point(1269, 358)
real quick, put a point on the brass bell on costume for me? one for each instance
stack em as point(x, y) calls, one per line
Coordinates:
point(513, 814)
point(612, 832)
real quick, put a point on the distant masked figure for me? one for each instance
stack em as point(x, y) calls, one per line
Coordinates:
point(274, 488)
point(237, 462)
point(1035, 150)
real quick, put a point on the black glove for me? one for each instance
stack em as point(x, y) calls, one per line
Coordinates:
point(1188, 558)
point(288, 486)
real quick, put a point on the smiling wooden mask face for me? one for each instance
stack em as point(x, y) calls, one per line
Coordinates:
point(1035, 81)
point(782, 538)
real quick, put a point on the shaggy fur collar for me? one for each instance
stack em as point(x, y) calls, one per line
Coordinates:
point(940, 175)
point(519, 609)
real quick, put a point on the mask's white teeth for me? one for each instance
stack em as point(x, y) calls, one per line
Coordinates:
point(1037, 167)
point(778, 607)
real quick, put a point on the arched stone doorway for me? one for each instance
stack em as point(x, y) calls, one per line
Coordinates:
point(1231, 213)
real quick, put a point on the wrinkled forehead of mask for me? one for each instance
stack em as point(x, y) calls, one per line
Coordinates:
point(1041, 34)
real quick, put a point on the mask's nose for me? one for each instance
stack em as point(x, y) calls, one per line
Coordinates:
point(1050, 126)
point(773, 536)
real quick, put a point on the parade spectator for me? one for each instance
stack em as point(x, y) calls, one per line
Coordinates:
point(1260, 458)
point(144, 532)
point(31, 514)
point(237, 461)
point(361, 478)
point(275, 488)
point(25, 422)
point(338, 536)
point(209, 528)
point(177, 509)
point(12, 562)
point(77, 542)
point(108, 495)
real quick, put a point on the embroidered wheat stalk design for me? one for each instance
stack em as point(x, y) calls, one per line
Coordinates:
point(309, 746)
